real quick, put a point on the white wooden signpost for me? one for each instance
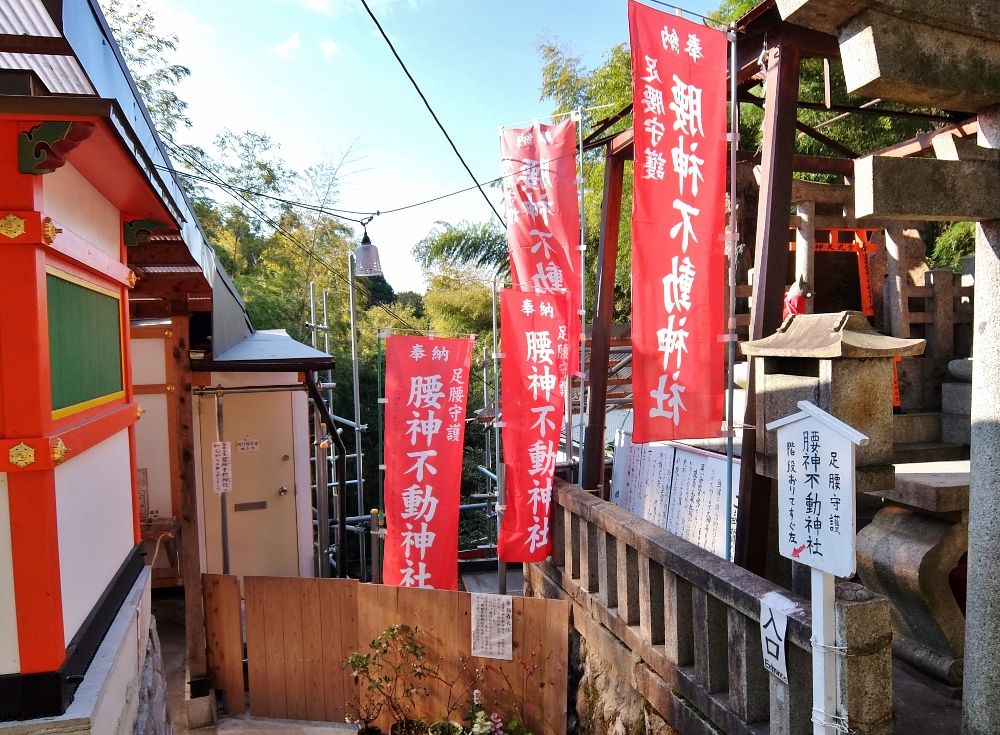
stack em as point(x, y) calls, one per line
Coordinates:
point(816, 527)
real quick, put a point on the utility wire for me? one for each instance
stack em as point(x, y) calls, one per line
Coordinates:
point(335, 211)
point(294, 240)
point(431, 111)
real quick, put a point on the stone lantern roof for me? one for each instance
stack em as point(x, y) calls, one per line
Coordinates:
point(824, 336)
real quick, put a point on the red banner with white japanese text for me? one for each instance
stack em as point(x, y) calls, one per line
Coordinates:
point(543, 215)
point(533, 336)
point(679, 73)
point(426, 386)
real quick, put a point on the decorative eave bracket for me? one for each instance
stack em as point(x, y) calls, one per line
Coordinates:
point(44, 148)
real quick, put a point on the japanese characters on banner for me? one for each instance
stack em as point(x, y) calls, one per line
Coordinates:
point(679, 73)
point(533, 334)
point(427, 381)
point(543, 215)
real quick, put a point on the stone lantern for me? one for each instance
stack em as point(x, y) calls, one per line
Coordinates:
point(840, 364)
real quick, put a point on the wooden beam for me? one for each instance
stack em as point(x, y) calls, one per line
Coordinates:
point(194, 610)
point(592, 463)
point(771, 263)
point(14, 43)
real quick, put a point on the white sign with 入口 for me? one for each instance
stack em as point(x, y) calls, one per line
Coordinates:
point(492, 626)
point(816, 509)
point(774, 609)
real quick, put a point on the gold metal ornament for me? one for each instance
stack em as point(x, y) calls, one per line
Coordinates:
point(11, 226)
point(139, 411)
point(59, 450)
point(132, 279)
point(21, 455)
point(49, 230)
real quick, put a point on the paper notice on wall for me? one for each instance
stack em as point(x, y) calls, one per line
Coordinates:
point(492, 626)
point(774, 609)
point(222, 467)
point(142, 474)
point(247, 444)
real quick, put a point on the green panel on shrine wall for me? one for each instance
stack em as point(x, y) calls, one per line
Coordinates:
point(85, 345)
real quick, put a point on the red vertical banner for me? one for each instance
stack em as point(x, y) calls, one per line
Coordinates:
point(543, 216)
point(533, 328)
point(679, 71)
point(426, 387)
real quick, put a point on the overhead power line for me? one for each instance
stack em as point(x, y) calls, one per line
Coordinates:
point(431, 111)
point(277, 226)
point(342, 213)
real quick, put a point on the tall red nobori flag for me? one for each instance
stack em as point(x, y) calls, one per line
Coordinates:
point(678, 222)
point(533, 328)
point(543, 216)
point(426, 386)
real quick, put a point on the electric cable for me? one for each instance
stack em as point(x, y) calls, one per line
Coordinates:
point(431, 111)
point(294, 240)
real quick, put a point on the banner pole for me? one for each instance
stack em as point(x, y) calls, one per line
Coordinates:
point(583, 299)
point(501, 503)
point(730, 331)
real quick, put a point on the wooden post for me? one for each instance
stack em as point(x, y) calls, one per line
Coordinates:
point(771, 262)
point(194, 610)
point(592, 465)
point(824, 660)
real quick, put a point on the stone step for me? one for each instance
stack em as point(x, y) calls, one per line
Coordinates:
point(921, 426)
point(928, 452)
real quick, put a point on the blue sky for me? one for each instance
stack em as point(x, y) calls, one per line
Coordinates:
point(318, 78)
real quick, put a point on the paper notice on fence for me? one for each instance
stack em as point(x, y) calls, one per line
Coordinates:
point(492, 626)
point(222, 467)
point(774, 609)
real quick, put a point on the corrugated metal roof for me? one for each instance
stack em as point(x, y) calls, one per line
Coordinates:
point(26, 17)
point(59, 74)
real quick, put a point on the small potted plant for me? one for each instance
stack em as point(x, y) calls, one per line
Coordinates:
point(393, 675)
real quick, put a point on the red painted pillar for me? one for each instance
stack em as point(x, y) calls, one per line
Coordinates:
point(26, 413)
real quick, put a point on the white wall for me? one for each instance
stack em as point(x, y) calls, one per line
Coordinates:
point(152, 452)
point(94, 516)
point(10, 662)
point(78, 207)
point(148, 361)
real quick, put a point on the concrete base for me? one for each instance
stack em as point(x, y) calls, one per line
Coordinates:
point(108, 700)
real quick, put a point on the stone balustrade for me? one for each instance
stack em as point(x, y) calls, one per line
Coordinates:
point(681, 626)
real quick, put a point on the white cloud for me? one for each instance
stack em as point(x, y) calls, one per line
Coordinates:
point(329, 48)
point(287, 48)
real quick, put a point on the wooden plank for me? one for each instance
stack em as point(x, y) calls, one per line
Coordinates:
point(276, 704)
point(313, 670)
point(225, 639)
point(555, 618)
point(256, 647)
point(289, 593)
point(339, 637)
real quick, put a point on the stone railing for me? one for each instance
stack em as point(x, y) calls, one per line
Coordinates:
point(686, 625)
point(944, 301)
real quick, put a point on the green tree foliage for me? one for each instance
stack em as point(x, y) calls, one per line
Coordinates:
point(481, 245)
point(954, 243)
point(147, 53)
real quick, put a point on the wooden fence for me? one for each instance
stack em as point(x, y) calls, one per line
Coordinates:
point(298, 632)
point(692, 621)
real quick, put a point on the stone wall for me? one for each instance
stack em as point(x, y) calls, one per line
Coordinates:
point(152, 717)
